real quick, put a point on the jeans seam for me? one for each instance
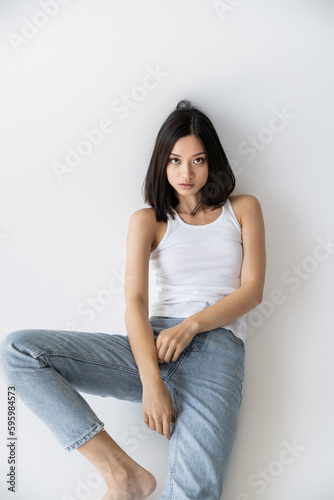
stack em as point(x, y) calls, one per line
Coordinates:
point(182, 357)
point(72, 389)
point(177, 440)
point(176, 365)
point(89, 360)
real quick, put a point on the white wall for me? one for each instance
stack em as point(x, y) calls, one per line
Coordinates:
point(62, 237)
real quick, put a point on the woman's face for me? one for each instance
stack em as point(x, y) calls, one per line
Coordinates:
point(187, 165)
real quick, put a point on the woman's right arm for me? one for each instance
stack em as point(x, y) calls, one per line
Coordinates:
point(158, 409)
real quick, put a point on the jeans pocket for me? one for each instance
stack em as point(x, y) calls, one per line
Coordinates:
point(197, 342)
point(237, 340)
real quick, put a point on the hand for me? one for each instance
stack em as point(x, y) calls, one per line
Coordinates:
point(172, 341)
point(158, 408)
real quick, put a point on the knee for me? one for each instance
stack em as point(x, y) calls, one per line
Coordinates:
point(11, 348)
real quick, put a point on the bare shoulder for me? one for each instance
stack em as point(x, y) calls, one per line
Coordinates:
point(145, 215)
point(245, 206)
point(143, 223)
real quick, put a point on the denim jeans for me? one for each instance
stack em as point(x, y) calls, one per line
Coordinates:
point(50, 368)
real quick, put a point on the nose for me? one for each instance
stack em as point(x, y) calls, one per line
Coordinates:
point(187, 172)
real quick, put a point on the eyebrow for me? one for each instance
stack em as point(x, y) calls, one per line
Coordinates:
point(196, 154)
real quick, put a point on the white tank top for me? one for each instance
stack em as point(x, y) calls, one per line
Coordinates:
point(195, 266)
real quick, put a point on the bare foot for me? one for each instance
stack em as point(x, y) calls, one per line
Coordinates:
point(134, 483)
point(125, 478)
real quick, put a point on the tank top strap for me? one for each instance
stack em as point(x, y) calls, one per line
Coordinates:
point(232, 215)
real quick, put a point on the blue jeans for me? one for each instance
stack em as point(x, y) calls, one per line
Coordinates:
point(50, 367)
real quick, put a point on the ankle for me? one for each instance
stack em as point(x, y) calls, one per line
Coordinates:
point(112, 471)
point(113, 463)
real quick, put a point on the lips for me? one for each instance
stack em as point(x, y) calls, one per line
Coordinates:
point(186, 185)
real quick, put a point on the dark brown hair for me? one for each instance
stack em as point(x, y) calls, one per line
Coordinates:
point(183, 121)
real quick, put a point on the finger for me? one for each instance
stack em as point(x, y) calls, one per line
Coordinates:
point(161, 354)
point(146, 420)
point(158, 342)
point(169, 354)
point(166, 427)
point(175, 355)
point(152, 424)
point(159, 426)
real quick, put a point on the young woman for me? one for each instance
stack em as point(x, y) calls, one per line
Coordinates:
point(184, 361)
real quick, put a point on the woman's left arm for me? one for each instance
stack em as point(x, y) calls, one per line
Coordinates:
point(250, 292)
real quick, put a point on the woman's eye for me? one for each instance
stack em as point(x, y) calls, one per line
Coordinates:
point(176, 161)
